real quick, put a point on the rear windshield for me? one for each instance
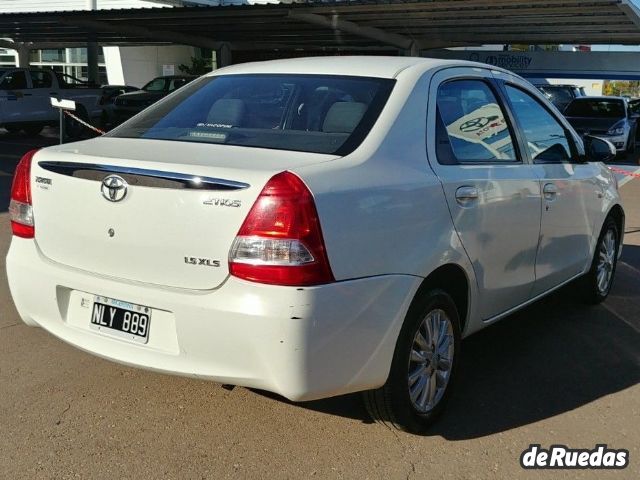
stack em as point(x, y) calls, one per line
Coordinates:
point(309, 113)
point(156, 85)
point(561, 95)
point(596, 109)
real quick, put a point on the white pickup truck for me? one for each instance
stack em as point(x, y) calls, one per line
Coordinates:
point(25, 99)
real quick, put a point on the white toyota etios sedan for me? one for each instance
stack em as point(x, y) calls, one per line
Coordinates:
point(315, 227)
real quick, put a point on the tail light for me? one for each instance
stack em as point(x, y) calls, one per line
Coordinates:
point(20, 207)
point(280, 241)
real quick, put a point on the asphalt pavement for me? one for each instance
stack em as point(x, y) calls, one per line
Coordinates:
point(557, 372)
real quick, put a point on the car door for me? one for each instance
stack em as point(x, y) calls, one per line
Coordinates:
point(16, 98)
point(42, 89)
point(492, 192)
point(571, 193)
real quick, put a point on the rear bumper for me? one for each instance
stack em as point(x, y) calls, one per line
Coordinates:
point(302, 343)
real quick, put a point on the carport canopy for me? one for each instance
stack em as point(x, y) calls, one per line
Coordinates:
point(330, 25)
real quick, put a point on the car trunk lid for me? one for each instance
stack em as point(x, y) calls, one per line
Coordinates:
point(176, 221)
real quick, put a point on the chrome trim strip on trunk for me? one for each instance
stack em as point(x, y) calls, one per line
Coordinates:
point(142, 177)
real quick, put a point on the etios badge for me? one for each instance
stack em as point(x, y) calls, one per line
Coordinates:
point(114, 188)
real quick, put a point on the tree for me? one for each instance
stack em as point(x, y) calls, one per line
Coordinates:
point(199, 66)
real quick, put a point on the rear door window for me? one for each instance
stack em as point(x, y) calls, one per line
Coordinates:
point(311, 113)
point(472, 127)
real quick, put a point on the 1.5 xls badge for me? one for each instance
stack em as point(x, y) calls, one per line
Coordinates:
point(206, 262)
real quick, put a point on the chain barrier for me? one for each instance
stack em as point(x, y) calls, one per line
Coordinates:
point(82, 122)
point(624, 172)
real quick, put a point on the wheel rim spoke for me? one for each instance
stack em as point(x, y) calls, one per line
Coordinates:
point(417, 373)
point(424, 394)
point(417, 357)
point(435, 326)
point(421, 341)
point(418, 388)
point(433, 389)
point(444, 364)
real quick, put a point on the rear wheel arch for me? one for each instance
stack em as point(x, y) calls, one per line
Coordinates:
point(444, 293)
point(617, 213)
point(454, 280)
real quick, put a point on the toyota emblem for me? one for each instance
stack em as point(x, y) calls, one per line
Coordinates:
point(114, 188)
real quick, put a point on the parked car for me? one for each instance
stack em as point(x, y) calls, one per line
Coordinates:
point(561, 95)
point(129, 104)
point(109, 95)
point(110, 92)
point(605, 117)
point(315, 227)
point(25, 100)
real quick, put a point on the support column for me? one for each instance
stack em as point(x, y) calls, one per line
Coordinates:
point(413, 50)
point(92, 60)
point(92, 50)
point(23, 56)
point(224, 55)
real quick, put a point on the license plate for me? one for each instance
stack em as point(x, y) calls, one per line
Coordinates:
point(121, 319)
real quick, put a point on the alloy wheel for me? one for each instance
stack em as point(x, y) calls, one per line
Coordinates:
point(606, 261)
point(430, 361)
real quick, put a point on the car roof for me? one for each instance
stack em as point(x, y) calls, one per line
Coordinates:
point(601, 98)
point(361, 66)
point(169, 77)
point(560, 85)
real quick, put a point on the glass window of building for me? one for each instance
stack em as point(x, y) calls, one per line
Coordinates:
point(53, 55)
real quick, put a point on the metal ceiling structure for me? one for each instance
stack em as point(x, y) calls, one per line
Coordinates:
point(332, 25)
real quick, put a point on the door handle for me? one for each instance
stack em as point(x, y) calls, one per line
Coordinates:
point(550, 191)
point(465, 195)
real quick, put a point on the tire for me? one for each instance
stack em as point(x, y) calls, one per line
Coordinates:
point(33, 130)
point(392, 404)
point(595, 289)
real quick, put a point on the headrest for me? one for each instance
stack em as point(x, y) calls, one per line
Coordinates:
point(227, 111)
point(343, 117)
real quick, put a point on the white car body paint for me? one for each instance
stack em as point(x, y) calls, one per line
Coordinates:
point(389, 219)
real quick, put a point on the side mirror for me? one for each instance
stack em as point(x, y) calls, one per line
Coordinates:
point(598, 149)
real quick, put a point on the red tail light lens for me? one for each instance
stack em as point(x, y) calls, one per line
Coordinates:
point(20, 207)
point(280, 241)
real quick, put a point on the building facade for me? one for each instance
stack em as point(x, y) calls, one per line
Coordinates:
point(117, 65)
